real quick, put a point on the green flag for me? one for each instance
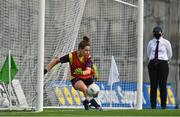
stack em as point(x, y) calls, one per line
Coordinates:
point(4, 73)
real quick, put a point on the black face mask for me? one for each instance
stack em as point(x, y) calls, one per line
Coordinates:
point(157, 36)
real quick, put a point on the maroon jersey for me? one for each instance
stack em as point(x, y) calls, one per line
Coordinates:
point(76, 63)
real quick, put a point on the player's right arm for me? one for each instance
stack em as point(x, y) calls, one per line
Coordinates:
point(55, 61)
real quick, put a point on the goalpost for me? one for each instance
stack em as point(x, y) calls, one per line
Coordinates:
point(40, 75)
point(140, 54)
point(115, 28)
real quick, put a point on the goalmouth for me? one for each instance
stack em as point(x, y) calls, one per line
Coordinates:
point(38, 31)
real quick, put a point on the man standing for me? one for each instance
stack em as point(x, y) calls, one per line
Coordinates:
point(159, 52)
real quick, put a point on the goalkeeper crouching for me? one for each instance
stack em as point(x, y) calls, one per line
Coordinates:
point(82, 71)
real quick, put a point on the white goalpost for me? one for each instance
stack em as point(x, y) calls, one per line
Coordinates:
point(140, 54)
point(40, 75)
point(37, 31)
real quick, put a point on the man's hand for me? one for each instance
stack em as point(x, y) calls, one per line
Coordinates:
point(78, 71)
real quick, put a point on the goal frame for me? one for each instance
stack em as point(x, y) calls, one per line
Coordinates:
point(39, 106)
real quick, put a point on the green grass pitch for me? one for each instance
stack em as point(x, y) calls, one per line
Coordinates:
point(82, 112)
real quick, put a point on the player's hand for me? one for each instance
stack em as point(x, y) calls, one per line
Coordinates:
point(45, 71)
point(78, 71)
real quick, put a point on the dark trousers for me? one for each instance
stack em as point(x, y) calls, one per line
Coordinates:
point(158, 73)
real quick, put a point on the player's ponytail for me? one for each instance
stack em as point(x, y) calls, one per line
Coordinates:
point(85, 38)
point(85, 42)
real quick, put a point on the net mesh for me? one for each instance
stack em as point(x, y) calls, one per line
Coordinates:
point(18, 33)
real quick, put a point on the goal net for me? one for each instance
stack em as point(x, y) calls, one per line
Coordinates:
point(18, 35)
point(112, 27)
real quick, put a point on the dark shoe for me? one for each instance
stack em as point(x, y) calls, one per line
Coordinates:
point(177, 106)
point(94, 103)
point(163, 106)
point(86, 104)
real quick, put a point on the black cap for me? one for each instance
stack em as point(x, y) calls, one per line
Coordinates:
point(157, 29)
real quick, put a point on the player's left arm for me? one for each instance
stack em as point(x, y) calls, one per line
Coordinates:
point(88, 69)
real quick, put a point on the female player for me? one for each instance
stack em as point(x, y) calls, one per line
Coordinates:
point(81, 70)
